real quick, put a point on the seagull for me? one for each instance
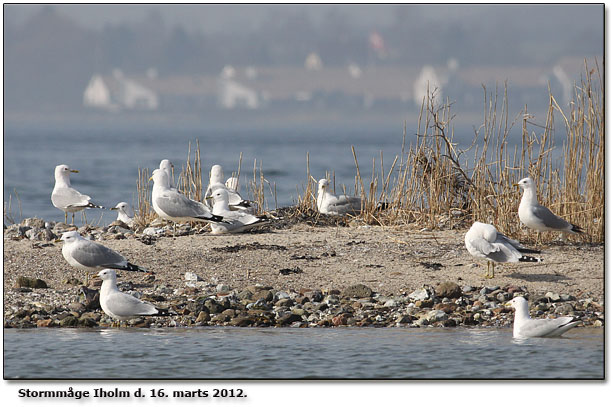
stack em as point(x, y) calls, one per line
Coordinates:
point(124, 213)
point(65, 197)
point(91, 256)
point(234, 221)
point(526, 327)
point(167, 166)
point(121, 306)
point(483, 241)
point(538, 217)
point(172, 205)
point(235, 201)
point(330, 204)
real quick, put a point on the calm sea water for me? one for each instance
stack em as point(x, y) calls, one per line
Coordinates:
point(266, 353)
point(108, 160)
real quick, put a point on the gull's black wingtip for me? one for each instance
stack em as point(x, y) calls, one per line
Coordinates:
point(576, 229)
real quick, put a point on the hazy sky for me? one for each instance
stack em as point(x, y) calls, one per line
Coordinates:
point(216, 17)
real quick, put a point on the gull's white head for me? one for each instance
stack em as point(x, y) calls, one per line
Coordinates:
point(160, 178)
point(71, 236)
point(526, 183)
point(63, 171)
point(167, 166)
point(123, 208)
point(216, 174)
point(107, 274)
point(220, 195)
point(518, 303)
point(323, 183)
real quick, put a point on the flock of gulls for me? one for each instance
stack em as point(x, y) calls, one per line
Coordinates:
point(228, 212)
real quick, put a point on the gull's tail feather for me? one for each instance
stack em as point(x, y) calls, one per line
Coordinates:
point(576, 229)
point(93, 205)
point(381, 206)
point(164, 312)
point(531, 251)
point(131, 267)
point(530, 259)
point(212, 218)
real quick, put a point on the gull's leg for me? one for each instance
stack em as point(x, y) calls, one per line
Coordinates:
point(66, 217)
point(72, 223)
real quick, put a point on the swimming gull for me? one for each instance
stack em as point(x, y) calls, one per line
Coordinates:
point(92, 256)
point(235, 201)
point(483, 241)
point(124, 213)
point(234, 221)
point(65, 197)
point(118, 305)
point(328, 203)
point(538, 217)
point(172, 205)
point(526, 327)
point(167, 166)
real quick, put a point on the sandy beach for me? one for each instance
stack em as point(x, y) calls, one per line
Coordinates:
point(392, 262)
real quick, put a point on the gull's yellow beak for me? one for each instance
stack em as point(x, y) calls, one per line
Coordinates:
point(208, 197)
point(74, 170)
point(151, 178)
point(114, 209)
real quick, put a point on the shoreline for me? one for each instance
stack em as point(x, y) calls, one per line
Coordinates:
point(298, 276)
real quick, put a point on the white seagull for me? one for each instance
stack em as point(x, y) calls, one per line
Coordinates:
point(537, 216)
point(235, 201)
point(65, 197)
point(330, 204)
point(124, 213)
point(483, 241)
point(526, 327)
point(234, 221)
point(172, 205)
point(117, 305)
point(86, 255)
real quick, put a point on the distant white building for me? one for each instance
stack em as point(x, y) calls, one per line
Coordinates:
point(118, 92)
point(427, 80)
point(313, 62)
point(232, 94)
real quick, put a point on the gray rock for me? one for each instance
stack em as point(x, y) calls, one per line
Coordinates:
point(467, 288)
point(502, 297)
point(436, 315)
point(31, 282)
point(357, 291)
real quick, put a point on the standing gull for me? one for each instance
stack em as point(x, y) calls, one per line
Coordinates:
point(65, 197)
point(91, 256)
point(172, 205)
point(538, 217)
point(124, 213)
point(118, 305)
point(526, 327)
point(234, 221)
point(235, 201)
point(484, 241)
point(330, 204)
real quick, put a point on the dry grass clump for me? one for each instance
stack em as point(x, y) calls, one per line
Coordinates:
point(436, 184)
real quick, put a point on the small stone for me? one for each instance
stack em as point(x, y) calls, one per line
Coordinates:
point(30, 282)
point(403, 319)
point(553, 297)
point(339, 320)
point(467, 288)
point(448, 289)
point(222, 288)
point(242, 320)
point(424, 303)
point(191, 276)
point(69, 321)
point(419, 294)
point(289, 319)
point(265, 295)
point(436, 315)
point(357, 291)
